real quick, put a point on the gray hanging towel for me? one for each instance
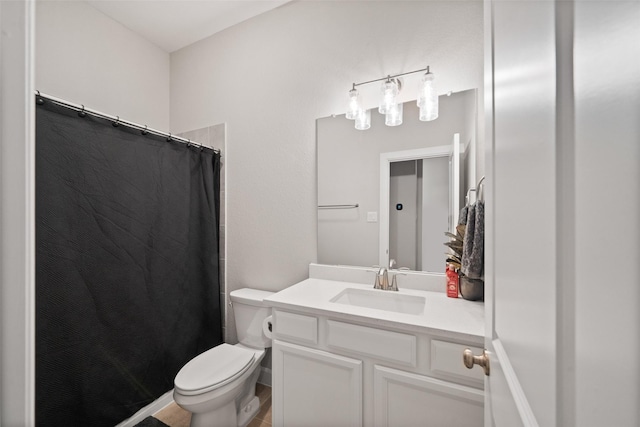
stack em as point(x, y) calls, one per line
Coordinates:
point(467, 242)
point(462, 218)
point(473, 248)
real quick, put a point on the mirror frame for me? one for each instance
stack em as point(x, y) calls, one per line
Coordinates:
point(385, 168)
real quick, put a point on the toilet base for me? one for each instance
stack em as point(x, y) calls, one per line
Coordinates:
point(224, 416)
point(227, 416)
point(246, 414)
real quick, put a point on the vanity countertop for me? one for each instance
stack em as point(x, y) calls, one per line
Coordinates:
point(442, 315)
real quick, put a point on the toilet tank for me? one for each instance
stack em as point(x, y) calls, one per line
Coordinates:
point(249, 312)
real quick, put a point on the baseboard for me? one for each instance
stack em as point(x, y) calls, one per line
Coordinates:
point(152, 408)
point(265, 376)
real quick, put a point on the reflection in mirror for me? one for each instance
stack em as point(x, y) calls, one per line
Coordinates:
point(419, 211)
point(428, 184)
point(349, 174)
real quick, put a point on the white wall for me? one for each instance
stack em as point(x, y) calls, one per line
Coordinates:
point(269, 78)
point(87, 58)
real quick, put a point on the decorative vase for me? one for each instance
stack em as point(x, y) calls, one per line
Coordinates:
point(471, 289)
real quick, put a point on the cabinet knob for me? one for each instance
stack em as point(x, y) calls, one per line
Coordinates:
point(469, 360)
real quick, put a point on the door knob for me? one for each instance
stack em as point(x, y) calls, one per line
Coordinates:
point(469, 360)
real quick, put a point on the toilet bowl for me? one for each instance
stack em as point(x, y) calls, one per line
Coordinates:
point(218, 386)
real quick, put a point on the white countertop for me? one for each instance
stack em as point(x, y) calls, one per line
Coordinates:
point(442, 315)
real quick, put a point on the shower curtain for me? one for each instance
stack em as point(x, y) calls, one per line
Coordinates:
point(127, 274)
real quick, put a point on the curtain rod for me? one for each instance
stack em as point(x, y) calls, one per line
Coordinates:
point(144, 129)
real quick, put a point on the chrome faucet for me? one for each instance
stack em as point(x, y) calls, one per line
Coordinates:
point(382, 279)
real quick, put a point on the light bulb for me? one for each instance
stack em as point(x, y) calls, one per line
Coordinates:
point(388, 93)
point(394, 116)
point(428, 98)
point(355, 104)
point(363, 119)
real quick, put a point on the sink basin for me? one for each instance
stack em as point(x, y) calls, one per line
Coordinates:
point(381, 300)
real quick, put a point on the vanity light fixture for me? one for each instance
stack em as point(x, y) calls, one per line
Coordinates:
point(389, 106)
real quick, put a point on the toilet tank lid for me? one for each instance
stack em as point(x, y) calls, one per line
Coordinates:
point(249, 296)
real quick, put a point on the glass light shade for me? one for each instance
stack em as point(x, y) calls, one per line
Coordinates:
point(388, 93)
point(427, 114)
point(355, 104)
point(428, 99)
point(394, 116)
point(363, 119)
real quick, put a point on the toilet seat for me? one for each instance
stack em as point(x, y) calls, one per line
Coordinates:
point(213, 369)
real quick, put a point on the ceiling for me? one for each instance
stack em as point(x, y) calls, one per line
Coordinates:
point(174, 24)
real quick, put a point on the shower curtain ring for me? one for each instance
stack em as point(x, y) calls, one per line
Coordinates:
point(144, 131)
point(188, 143)
point(117, 122)
point(82, 113)
point(39, 99)
point(169, 138)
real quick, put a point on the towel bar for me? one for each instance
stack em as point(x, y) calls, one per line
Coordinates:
point(338, 206)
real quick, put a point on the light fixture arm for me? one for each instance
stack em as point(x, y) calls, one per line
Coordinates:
point(389, 77)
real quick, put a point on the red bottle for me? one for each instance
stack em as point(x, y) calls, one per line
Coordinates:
point(452, 282)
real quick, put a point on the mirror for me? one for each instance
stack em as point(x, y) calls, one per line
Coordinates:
point(364, 175)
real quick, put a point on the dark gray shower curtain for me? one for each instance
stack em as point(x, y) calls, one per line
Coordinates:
point(127, 274)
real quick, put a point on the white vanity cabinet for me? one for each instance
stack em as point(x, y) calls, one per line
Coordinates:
point(332, 371)
point(313, 387)
point(405, 399)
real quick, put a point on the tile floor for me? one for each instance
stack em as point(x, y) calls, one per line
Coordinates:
point(175, 416)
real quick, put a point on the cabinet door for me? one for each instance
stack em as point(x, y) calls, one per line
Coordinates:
point(315, 388)
point(404, 399)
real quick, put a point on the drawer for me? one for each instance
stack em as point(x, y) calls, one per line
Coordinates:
point(386, 345)
point(296, 326)
point(446, 358)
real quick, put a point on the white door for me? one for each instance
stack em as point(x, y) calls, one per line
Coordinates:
point(520, 195)
point(562, 189)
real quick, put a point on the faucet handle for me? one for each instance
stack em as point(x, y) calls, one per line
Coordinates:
point(394, 283)
point(377, 284)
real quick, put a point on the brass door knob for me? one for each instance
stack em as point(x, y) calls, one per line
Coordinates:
point(469, 360)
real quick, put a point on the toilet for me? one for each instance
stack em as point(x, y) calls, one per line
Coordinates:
point(218, 386)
